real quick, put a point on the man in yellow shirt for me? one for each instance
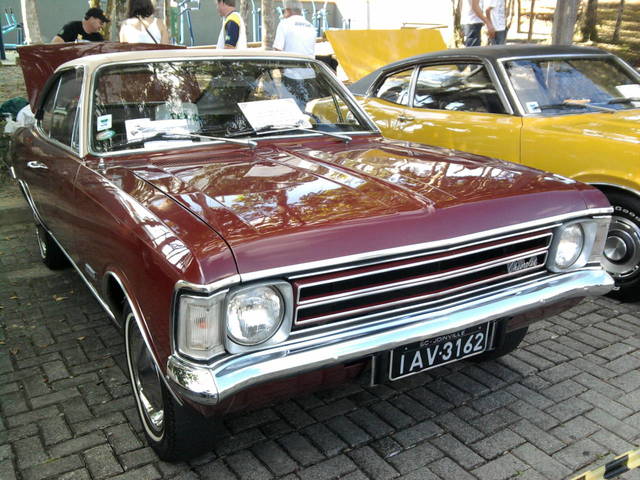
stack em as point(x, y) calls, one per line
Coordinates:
point(233, 33)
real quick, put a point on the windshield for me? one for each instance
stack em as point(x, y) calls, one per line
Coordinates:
point(161, 104)
point(571, 85)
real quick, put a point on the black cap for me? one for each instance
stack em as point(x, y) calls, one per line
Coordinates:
point(96, 13)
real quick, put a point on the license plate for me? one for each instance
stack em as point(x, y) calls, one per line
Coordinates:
point(433, 352)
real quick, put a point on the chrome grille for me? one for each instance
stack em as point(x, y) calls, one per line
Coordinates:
point(420, 280)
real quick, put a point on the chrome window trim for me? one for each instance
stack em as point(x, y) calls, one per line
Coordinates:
point(422, 262)
point(420, 298)
point(521, 111)
point(79, 115)
point(333, 79)
point(493, 76)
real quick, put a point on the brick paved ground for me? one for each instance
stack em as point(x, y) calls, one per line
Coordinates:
point(567, 401)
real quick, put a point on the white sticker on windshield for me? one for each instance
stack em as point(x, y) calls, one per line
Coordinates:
point(103, 122)
point(629, 91)
point(141, 128)
point(533, 107)
point(283, 112)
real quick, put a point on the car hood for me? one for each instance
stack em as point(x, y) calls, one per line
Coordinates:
point(621, 126)
point(293, 203)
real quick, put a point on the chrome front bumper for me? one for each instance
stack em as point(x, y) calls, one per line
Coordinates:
point(210, 384)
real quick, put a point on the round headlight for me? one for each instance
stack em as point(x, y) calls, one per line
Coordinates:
point(569, 246)
point(254, 315)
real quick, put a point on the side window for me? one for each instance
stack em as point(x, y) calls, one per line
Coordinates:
point(61, 109)
point(464, 87)
point(395, 88)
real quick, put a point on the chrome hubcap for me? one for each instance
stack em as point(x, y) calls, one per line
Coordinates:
point(622, 248)
point(146, 380)
point(42, 244)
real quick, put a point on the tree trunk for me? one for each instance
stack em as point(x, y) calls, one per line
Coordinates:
point(564, 22)
point(94, 3)
point(244, 9)
point(616, 31)
point(30, 21)
point(458, 36)
point(269, 24)
point(589, 26)
point(532, 16)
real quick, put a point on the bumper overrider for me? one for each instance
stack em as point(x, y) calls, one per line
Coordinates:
point(212, 383)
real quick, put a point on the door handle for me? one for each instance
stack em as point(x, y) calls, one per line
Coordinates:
point(35, 165)
point(404, 118)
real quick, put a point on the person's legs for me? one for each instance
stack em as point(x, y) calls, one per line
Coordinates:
point(471, 33)
point(500, 38)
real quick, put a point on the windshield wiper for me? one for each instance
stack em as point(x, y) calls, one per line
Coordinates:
point(574, 104)
point(287, 128)
point(181, 136)
point(618, 100)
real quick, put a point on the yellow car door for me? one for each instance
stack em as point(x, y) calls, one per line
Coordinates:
point(453, 105)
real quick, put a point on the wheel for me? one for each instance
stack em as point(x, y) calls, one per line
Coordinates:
point(175, 432)
point(506, 343)
point(622, 249)
point(50, 253)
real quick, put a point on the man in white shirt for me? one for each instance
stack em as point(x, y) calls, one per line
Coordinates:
point(472, 19)
point(294, 33)
point(297, 35)
point(495, 12)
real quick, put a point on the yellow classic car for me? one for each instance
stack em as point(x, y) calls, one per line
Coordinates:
point(570, 110)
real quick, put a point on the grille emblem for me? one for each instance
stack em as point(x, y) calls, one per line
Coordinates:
point(522, 264)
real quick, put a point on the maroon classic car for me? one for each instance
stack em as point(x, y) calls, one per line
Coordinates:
point(256, 237)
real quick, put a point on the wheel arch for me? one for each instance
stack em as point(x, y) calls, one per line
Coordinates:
point(117, 295)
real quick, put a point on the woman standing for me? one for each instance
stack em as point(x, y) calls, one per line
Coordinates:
point(141, 26)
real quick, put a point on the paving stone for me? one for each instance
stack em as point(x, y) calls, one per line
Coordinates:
point(295, 415)
point(603, 418)
point(348, 431)
point(457, 451)
point(412, 408)
point(493, 401)
point(564, 390)
point(101, 462)
point(569, 409)
point(341, 407)
point(392, 415)
point(148, 472)
point(32, 416)
point(430, 400)
point(414, 458)
point(53, 468)
point(29, 452)
point(538, 437)
point(418, 433)
point(387, 447)
point(372, 464)
point(370, 423)
point(497, 444)
point(575, 429)
point(422, 473)
point(275, 458)
point(54, 430)
point(136, 458)
point(331, 468)
point(251, 420)
point(78, 444)
point(445, 468)
point(501, 468)
point(451, 422)
point(248, 467)
point(122, 438)
point(327, 441)
point(494, 421)
point(578, 454)
point(542, 462)
point(215, 470)
point(301, 449)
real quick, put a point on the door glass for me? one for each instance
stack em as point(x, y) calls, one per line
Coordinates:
point(395, 88)
point(47, 108)
point(64, 127)
point(464, 87)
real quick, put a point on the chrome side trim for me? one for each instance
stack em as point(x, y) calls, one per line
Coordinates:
point(24, 188)
point(221, 379)
point(397, 251)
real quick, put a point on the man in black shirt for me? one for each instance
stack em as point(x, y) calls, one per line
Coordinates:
point(86, 30)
